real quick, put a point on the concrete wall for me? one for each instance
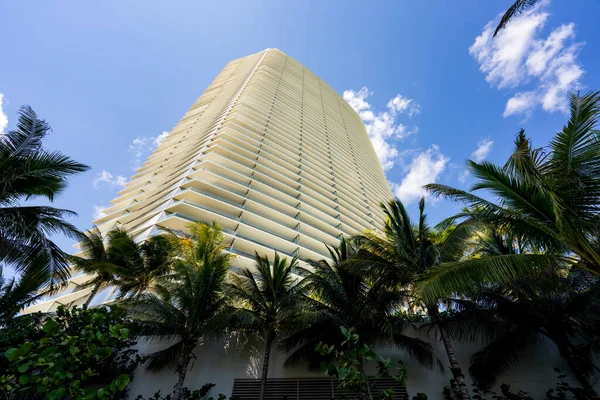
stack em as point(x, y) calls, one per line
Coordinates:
point(221, 362)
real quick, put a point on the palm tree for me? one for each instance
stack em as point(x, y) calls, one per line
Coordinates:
point(513, 11)
point(268, 299)
point(187, 305)
point(28, 171)
point(141, 265)
point(97, 261)
point(550, 196)
point(16, 294)
point(512, 319)
point(403, 252)
point(339, 295)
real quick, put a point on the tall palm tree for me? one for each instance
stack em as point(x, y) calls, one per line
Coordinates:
point(141, 265)
point(339, 295)
point(97, 261)
point(549, 196)
point(188, 304)
point(513, 318)
point(267, 301)
point(28, 171)
point(399, 255)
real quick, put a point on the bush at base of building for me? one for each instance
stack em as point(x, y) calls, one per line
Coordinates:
point(76, 354)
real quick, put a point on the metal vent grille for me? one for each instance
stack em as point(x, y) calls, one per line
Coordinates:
point(305, 389)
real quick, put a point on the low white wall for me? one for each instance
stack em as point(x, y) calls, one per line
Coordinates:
point(221, 362)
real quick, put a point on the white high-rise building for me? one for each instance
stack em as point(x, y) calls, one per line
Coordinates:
point(271, 153)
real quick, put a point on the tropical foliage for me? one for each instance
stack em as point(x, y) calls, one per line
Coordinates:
point(18, 293)
point(189, 304)
point(27, 172)
point(140, 265)
point(400, 255)
point(339, 295)
point(77, 354)
point(117, 259)
point(97, 262)
point(520, 264)
point(511, 319)
point(266, 301)
point(348, 367)
point(549, 198)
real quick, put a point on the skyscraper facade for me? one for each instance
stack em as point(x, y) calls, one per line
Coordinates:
point(271, 153)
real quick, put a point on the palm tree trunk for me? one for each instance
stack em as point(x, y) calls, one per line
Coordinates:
point(265, 369)
point(182, 366)
point(571, 358)
point(93, 294)
point(455, 368)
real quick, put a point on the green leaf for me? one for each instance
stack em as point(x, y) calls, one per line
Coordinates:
point(124, 333)
point(89, 393)
point(24, 349)
point(49, 351)
point(122, 381)
point(345, 332)
point(24, 379)
point(23, 368)
point(50, 327)
point(57, 394)
point(11, 354)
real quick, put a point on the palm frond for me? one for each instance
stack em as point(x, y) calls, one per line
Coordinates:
point(27, 138)
point(500, 356)
point(162, 359)
point(458, 240)
point(18, 294)
point(463, 276)
point(418, 350)
point(574, 159)
point(518, 7)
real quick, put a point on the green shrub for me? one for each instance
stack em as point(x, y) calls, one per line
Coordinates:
point(76, 354)
point(348, 366)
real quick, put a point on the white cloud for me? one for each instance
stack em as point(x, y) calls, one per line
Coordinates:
point(138, 148)
point(521, 56)
point(521, 103)
point(481, 152)
point(462, 178)
point(141, 147)
point(160, 138)
point(106, 179)
point(3, 117)
point(544, 51)
point(382, 126)
point(483, 148)
point(425, 168)
point(99, 211)
point(404, 105)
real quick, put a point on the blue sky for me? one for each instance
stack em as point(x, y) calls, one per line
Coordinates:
point(110, 77)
